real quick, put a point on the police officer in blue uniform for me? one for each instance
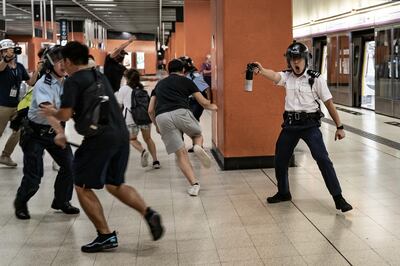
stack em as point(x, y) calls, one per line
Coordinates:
point(39, 134)
point(304, 89)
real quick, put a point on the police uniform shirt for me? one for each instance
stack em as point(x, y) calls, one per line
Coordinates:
point(42, 93)
point(198, 80)
point(299, 97)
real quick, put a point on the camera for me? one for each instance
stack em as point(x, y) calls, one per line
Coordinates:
point(248, 86)
point(17, 50)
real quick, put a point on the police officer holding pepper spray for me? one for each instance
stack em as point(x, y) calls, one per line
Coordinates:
point(302, 116)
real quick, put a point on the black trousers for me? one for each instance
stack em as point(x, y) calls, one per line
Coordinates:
point(285, 145)
point(197, 109)
point(33, 145)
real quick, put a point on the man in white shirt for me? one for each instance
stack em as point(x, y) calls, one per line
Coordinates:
point(302, 116)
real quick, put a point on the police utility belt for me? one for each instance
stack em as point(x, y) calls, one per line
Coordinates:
point(41, 130)
point(300, 116)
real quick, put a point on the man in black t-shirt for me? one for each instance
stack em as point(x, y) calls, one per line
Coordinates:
point(171, 114)
point(101, 159)
point(113, 67)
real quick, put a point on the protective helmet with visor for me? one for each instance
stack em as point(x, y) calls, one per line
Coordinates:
point(297, 50)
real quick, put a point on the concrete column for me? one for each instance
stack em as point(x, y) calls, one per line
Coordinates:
point(197, 30)
point(247, 124)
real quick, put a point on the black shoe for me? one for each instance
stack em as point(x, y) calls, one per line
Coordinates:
point(156, 165)
point(153, 219)
point(66, 208)
point(21, 210)
point(341, 203)
point(191, 149)
point(102, 242)
point(279, 197)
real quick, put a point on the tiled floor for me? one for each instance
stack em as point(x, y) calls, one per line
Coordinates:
point(229, 223)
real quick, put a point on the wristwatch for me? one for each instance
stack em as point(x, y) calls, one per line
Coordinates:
point(340, 127)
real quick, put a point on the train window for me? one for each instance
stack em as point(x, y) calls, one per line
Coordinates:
point(332, 62)
point(396, 64)
point(344, 64)
point(383, 63)
point(356, 60)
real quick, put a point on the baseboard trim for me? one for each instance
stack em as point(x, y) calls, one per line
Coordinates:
point(250, 162)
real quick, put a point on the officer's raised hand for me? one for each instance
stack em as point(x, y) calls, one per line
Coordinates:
point(268, 73)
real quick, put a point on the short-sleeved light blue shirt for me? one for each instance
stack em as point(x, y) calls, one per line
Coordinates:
point(44, 93)
point(199, 81)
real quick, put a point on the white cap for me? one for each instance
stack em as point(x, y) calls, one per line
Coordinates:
point(6, 44)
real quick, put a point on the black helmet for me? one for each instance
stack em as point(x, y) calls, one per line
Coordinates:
point(297, 50)
point(51, 56)
point(187, 63)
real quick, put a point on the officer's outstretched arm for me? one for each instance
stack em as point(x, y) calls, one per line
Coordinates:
point(268, 73)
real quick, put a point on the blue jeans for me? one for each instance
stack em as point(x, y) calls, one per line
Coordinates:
point(285, 145)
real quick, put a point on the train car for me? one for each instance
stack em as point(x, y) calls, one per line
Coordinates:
point(361, 65)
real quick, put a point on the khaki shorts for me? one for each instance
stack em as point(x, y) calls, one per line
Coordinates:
point(173, 124)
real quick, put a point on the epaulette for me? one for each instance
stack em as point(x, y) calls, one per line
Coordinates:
point(47, 79)
point(313, 73)
point(287, 70)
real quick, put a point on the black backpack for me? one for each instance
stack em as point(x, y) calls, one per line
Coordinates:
point(95, 108)
point(139, 105)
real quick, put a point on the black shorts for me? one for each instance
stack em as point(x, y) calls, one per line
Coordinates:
point(97, 163)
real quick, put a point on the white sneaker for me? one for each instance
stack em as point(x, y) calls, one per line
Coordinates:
point(56, 167)
point(6, 160)
point(194, 190)
point(144, 160)
point(202, 156)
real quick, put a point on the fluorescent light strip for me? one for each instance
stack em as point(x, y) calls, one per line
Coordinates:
point(102, 5)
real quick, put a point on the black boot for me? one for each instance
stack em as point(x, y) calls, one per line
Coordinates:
point(21, 210)
point(153, 219)
point(279, 197)
point(102, 242)
point(341, 203)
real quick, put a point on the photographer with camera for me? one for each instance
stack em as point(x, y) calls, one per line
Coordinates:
point(302, 119)
point(12, 74)
point(39, 133)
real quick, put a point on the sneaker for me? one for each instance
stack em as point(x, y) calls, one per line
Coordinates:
point(156, 165)
point(279, 197)
point(67, 208)
point(56, 167)
point(194, 190)
point(102, 242)
point(153, 220)
point(202, 155)
point(144, 160)
point(21, 210)
point(341, 203)
point(6, 160)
